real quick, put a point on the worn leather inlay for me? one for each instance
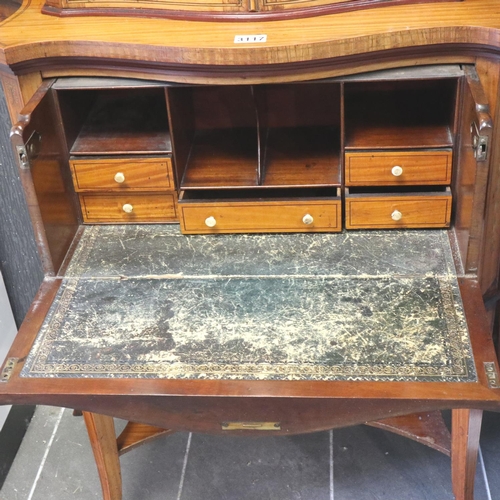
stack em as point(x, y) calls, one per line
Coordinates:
point(278, 307)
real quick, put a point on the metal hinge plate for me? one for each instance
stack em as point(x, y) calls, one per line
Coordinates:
point(251, 426)
point(479, 143)
point(30, 150)
point(492, 375)
point(8, 369)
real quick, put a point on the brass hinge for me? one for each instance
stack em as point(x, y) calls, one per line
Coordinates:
point(479, 143)
point(8, 369)
point(251, 426)
point(30, 150)
point(492, 375)
point(253, 5)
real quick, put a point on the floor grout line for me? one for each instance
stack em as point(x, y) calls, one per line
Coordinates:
point(485, 476)
point(184, 466)
point(45, 455)
point(332, 491)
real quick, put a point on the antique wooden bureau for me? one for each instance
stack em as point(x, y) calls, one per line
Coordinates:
point(271, 218)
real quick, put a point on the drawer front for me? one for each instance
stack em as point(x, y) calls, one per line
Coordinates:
point(387, 212)
point(241, 217)
point(115, 174)
point(394, 168)
point(129, 208)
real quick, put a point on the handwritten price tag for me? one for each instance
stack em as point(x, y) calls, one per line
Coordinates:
point(250, 39)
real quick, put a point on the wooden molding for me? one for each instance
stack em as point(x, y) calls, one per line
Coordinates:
point(250, 74)
point(234, 16)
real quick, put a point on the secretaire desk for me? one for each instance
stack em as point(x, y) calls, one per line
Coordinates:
point(270, 217)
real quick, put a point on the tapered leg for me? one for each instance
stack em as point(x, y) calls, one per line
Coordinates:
point(101, 430)
point(465, 430)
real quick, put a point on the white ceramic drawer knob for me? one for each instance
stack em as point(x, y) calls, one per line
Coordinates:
point(307, 219)
point(210, 221)
point(396, 171)
point(119, 177)
point(396, 215)
point(128, 208)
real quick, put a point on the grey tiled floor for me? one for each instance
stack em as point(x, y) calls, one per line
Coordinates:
point(359, 463)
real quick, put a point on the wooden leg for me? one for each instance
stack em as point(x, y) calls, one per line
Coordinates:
point(101, 430)
point(465, 430)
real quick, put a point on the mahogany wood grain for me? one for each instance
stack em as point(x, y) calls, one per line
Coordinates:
point(418, 168)
point(125, 121)
point(107, 448)
point(471, 175)
point(101, 431)
point(496, 328)
point(476, 315)
point(488, 71)
point(299, 129)
point(489, 273)
point(312, 104)
point(135, 434)
point(223, 158)
point(91, 142)
point(293, 72)
point(224, 107)
point(426, 428)
point(140, 174)
point(181, 120)
point(461, 25)
point(369, 211)
point(206, 6)
point(240, 11)
point(368, 136)
point(399, 114)
point(261, 216)
point(465, 428)
point(302, 157)
point(74, 112)
point(145, 207)
point(51, 206)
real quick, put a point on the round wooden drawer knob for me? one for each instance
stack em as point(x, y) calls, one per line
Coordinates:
point(307, 219)
point(210, 221)
point(396, 171)
point(396, 215)
point(119, 177)
point(128, 208)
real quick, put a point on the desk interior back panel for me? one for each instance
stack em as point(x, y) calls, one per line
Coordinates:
point(271, 307)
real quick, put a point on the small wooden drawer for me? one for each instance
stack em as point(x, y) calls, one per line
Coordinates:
point(408, 210)
point(121, 174)
point(391, 168)
point(261, 216)
point(129, 208)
